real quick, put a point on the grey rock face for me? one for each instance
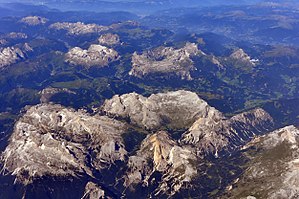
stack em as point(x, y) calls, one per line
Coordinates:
point(109, 39)
point(34, 20)
point(95, 55)
point(78, 28)
point(216, 133)
point(165, 60)
point(11, 55)
point(177, 109)
point(177, 164)
point(241, 57)
point(53, 140)
point(273, 167)
point(93, 191)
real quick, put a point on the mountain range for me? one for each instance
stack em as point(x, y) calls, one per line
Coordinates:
point(142, 7)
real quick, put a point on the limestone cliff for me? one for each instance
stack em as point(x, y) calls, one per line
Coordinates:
point(159, 153)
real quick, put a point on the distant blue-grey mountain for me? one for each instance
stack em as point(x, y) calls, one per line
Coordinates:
point(136, 6)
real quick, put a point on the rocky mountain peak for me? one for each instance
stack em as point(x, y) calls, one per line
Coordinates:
point(109, 39)
point(288, 134)
point(216, 134)
point(95, 55)
point(78, 28)
point(241, 56)
point(176, 163)
point(274, 154)
point(178, 109)
point(13, 54)
point(161, 144)
point(34, 20)
point(53, 140)
point(165, 60)
point(93, 191)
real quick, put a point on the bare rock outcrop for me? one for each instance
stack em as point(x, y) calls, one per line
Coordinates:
point(109, 39)
point(50, 140)
point(78, 28)
point(14, 54)
point(178, 109)
point(177, 164)
point(241, 57)
point(216, 133)
point(272, 171)
point(93, 191)
point(165, 60)
point(34, 20)
point(95, 55)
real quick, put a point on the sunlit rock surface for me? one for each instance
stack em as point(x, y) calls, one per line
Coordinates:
point(109, 39)
point(34, 20)
point(95, 55)
point(165, 60)
point(178, 109)
point(78, 28)
point(93, 191)
point(273, 169)
point(215, 133)
point(11, 55)
point(158, 152)
point(50, 140)
point(241, 57)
